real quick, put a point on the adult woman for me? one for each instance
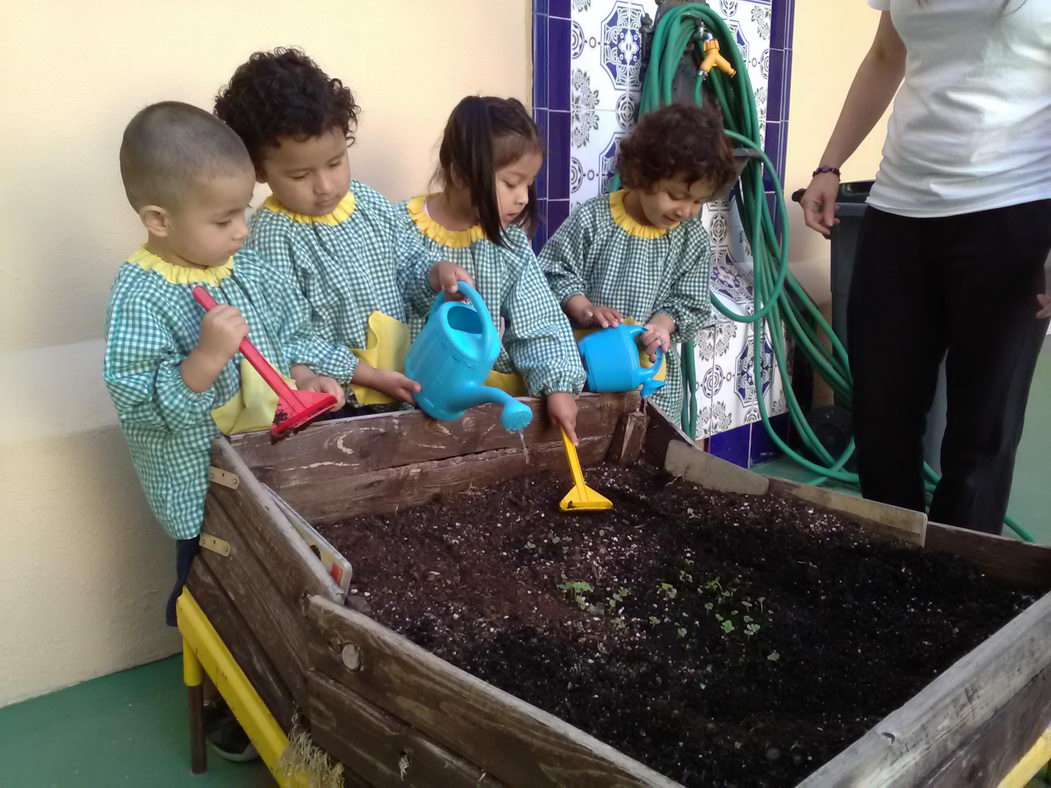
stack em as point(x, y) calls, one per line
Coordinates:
point(952, 249)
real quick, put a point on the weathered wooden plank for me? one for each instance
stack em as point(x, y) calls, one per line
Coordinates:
point(994, 749)
point(411, 485)
point(1008, 559)
point(332, 450)
point(659, 433)
point(379, 748)
point(241, 639)
point(711, 472)
point(628, 438)
point(512, 740)
point(277, 622)
point(903, 524)
point(296, 571)
point(919, 737)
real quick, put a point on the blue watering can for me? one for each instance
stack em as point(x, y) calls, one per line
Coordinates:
point(611, 358)
point(452, 357)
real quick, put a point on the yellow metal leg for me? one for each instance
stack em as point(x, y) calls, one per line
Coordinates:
point(1034, 760)
point(204, 652)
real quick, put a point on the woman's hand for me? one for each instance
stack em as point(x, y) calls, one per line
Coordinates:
point(819, 203)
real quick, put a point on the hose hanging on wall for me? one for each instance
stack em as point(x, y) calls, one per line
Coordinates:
point(780, 304)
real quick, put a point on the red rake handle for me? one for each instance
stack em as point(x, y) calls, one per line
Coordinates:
point(248, 350)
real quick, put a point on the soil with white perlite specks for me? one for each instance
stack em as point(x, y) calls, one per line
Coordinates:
point(720, 639)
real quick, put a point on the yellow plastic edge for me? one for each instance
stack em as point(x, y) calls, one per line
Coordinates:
point(1031, 763)
point(202, 647)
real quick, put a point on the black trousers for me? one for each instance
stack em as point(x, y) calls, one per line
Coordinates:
point(962, 288)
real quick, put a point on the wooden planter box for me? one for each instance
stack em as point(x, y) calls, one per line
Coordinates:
point(395, 714)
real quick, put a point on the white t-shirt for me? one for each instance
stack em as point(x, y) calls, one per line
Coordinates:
point(971, 125)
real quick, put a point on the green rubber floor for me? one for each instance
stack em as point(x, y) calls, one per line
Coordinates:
point(130, 728)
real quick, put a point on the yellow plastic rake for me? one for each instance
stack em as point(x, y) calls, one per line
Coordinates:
point(581, 498)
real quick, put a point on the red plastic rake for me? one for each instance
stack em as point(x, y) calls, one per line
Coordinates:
point(295, 409)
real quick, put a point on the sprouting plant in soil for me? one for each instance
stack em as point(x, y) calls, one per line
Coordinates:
point(577, 589)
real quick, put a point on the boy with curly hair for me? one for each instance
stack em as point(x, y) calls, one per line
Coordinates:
point(641, 254)
point(343, 243)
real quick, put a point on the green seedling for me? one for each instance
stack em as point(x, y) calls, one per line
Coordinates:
point(728, 626)
point(773, 656)
point(668, 590)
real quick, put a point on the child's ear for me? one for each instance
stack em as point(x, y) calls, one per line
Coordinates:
point(155, 219)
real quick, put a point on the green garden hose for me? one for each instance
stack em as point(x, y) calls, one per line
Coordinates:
point(779, 299)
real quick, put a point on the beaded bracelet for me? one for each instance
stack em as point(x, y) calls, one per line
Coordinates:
point(833, 170)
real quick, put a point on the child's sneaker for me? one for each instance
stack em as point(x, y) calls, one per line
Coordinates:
point(224, 733)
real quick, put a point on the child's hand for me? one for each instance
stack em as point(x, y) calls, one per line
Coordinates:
point(306, 380)
point(1045, 306)
point(657, 335)
point(584, 313)
point(562, 410)
point(444, 276)
point(222, 329)
point(393, 384)
point(396, 385)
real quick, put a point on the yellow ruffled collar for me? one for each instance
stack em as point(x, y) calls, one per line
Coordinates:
point(629, 225)
point(456, 239)
point(340, 213)
point(180, 274)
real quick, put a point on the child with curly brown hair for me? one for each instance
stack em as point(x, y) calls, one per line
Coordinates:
point(342, 242)
point(641, 254)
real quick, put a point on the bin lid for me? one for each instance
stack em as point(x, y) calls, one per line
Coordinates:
point(854, 191)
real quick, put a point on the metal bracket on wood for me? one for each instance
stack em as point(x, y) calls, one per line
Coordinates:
point(215, 544)
point(225, 478)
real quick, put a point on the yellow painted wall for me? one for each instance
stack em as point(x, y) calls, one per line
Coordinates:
point(829, 41)
point(84, 569)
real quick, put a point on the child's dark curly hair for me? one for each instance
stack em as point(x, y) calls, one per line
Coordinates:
point(284, 93)
point(677, 141)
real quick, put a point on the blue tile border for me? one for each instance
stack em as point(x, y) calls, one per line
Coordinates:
point(732, 445)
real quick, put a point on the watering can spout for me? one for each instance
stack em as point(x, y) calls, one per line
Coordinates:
point(515, 415)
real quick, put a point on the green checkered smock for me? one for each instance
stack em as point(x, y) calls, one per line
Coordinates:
point(152, 325)
point(537, 340)
point(350, 263)
point(601, 252)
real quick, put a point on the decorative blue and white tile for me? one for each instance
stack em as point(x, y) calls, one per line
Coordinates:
point(596, 155)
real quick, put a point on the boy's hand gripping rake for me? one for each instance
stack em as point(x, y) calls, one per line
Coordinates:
point(581, 498)
point(295, 409)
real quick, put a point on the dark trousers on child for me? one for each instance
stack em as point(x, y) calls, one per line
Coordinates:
point(185, 550)
point(962, 288)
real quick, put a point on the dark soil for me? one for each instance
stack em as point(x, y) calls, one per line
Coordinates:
point(720, 639)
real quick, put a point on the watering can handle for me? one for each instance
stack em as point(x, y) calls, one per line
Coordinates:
point(476, 301)
point(657, 361)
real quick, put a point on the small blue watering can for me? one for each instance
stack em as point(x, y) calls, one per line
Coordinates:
point(452, 357)
point(611, 358)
